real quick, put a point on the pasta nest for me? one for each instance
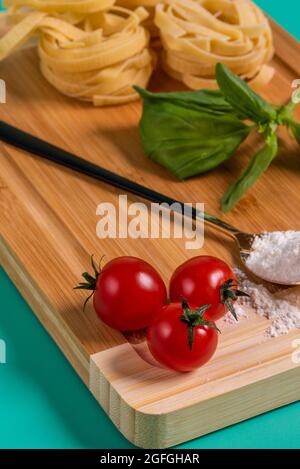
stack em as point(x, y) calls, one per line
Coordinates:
point(198, 34)
point(150, 6)
point(96, 50)
point(88, 49)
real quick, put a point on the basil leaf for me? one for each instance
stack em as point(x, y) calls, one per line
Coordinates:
point(258, 164)
point(285, 113)
point(246, 102)
point(186, 140)
point(208, 99)
point(295, 127)
point(285, 117)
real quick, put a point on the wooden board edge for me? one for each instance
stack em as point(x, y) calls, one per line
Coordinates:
point(163, 430)
point(287, 47)
point(52, 323)
point(231, 408)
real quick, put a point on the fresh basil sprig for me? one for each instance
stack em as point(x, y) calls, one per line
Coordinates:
point(258, 165)
point(295, 128)
point(204, 99)
point(242, 98)
point(192, 132)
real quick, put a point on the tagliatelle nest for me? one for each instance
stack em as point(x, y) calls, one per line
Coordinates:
point(62, 6)
point(96, 50)
point(88, 49)
point(150, 6)
point(197, 34)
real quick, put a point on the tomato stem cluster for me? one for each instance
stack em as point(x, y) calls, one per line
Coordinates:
point(229, 294)
point(90, 281)
point(193, 318)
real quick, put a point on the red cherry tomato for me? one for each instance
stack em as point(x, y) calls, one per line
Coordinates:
point(206, 280)
point(180, 337)
point(127, 293)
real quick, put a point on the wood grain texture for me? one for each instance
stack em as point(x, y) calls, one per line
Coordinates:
point(48, 231)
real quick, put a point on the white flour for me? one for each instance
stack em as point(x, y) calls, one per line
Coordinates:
point(276, 256)
point(284, 314)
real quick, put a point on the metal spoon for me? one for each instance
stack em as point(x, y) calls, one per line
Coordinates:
point(20, 139)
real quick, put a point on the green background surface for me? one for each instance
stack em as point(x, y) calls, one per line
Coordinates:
point(43, 403)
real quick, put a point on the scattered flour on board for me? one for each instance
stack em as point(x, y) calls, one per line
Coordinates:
point(284, 314)
point(276, 256)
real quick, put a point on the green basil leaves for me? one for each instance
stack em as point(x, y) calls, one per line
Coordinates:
point(193, 132)
point(242, 98)
point(258, 164)
point(190, 136)
point(295, 127)
point(203, 99)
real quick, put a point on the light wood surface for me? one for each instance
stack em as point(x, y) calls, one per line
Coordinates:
point(48, 231)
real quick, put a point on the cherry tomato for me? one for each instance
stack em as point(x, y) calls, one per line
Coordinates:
point(206, 280)
point(127, 293)
point(181, 338)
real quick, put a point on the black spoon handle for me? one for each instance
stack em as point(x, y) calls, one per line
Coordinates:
point(25, 141)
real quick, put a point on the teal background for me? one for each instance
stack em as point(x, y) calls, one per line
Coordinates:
point(43, 403)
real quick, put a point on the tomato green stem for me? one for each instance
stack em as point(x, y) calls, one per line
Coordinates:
point(229, 294)
point(90, 280)
point(195, 318)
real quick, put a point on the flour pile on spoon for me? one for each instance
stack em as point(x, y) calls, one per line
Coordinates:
point(275, 256)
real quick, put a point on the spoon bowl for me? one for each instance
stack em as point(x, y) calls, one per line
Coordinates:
point(244, 242)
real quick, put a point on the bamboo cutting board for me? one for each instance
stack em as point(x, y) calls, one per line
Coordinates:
point(48, 231)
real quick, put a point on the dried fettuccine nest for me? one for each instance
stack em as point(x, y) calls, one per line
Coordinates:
point(150, 7)
point(62, 6)
point(197, 34)
point(86, 51)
